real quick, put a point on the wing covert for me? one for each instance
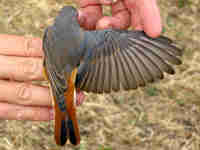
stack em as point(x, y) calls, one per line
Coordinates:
point(57, 80)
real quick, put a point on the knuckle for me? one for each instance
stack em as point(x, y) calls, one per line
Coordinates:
point(19, 115)
point(36, 115)
point(24, 114)
point(29, 68)
point(29, 51)
point(23, 92)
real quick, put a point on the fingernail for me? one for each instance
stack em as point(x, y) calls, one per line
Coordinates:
point(19, 115)
point(34, 44)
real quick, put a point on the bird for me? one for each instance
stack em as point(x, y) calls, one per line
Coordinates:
point(98, 61)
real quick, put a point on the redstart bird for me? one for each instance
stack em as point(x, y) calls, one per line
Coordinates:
point(99, 61)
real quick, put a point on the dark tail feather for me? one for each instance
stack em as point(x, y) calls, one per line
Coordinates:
point(66, 128)
point(61, 132)
point(63, 136)
point(74, 139)
point(72, 123)
point(72, 126)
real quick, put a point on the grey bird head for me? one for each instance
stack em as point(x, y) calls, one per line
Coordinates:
point(67, 18)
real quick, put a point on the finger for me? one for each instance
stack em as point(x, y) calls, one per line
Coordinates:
point(24, 94)
point(120, 17)
point(118, 21)
point(90, 12)
point(20, 46)
point(88, 16)
point(17, 112)
point(85, 3)
point(144, 13)
point(20, 68)
point(136, 21)
point(149, 11)
point(107, 2)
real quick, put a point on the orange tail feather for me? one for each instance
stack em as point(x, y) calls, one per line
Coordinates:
point(60, 131)
point(74, 134)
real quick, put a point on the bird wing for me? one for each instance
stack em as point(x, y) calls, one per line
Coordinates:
point(126, 60)
point(56, 79)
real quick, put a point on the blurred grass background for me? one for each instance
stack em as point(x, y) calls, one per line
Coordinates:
point(162, 116)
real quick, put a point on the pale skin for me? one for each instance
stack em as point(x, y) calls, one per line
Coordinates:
point(138, 14)
point(21, 57)
point(21, 61)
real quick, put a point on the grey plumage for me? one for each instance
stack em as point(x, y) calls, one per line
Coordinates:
point(125, 60)
point(107, 60)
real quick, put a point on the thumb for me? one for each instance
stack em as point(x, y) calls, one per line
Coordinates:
point(88, 16)
point(120, 18)
point(90, 12)
point(145, 16)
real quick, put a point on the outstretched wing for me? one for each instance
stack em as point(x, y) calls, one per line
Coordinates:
point(126, 60)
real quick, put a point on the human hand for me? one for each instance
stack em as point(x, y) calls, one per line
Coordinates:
point(21, 63)
point(139, 14)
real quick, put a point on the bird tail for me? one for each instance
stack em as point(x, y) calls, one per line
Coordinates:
point(60, 129)
point(66, 124)
point(72, 123)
